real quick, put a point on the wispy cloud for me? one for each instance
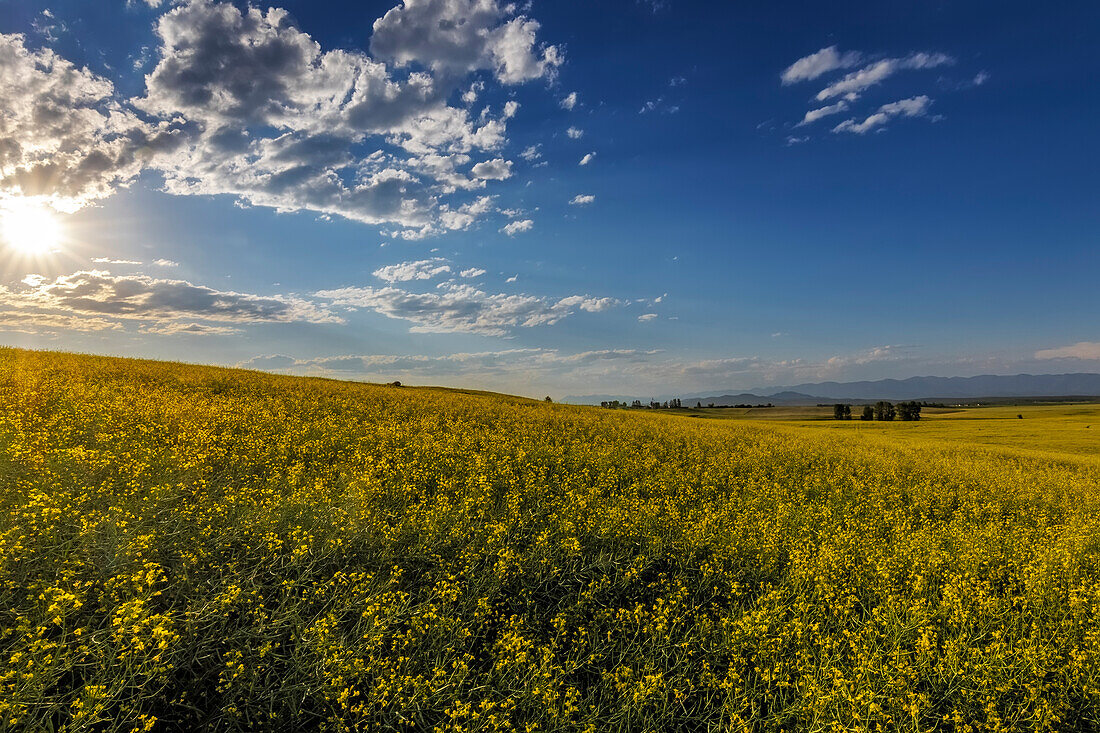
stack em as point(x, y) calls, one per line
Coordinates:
point(821, 62)
point(582, 199)
point(912, 107)
point(1085, 350)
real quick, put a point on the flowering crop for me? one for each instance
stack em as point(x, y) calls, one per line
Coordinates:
point(186, 547)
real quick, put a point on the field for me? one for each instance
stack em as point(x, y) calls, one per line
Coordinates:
point(189, 548)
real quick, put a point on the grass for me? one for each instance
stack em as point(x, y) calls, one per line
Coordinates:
point(192, 548)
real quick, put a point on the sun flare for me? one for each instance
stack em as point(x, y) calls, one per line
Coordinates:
point(29, 227)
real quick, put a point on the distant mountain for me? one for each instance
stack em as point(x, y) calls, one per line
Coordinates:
point(987, 386)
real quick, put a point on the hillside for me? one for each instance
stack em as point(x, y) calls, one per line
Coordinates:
point(186, 548)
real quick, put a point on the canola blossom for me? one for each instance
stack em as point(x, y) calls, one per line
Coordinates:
point(187, 548)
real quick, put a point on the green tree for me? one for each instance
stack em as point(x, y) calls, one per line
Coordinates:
point(868, 413)
point(884, 411)
point(838, 412)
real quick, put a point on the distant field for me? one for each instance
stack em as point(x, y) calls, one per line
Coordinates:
point(191, 548)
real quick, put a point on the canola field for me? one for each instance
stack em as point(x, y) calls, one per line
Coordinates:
point(191, 548)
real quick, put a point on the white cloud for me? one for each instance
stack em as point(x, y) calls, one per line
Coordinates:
point(531, 153)
point(812, 66)
point(574, 133)
point(569, 101)
point(109, 261)
point(462, 36)
point(497, 169)
point(472, 272)
point(647, 317)
point(62, 135)
point(854, 84)
point(461, 308)
point(512, 279)
point(165, 263)
point(139, 297)
point(587, 158)
point(1086, 350)
point(816, 114)
point(515, 227)
point(912, 107)
point(241, 102)
point(980, 78)
point(418, 270)
point(582, 199)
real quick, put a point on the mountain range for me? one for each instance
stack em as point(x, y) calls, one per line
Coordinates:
point(986, 386)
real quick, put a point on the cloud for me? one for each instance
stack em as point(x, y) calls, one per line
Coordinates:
point(647, 317)
point(461, 308)
point(912, 107)
point(269, 361)
point(582, 199)
point(587, 158)
point(101, 294)
point(1086, 350)
point(190, 329)
point(816, 114)
point(569, 101)
point(531, 153)
point(165, 263)
point(515, 227)
point(471, 272)
point(109, 261)
point(36, 323)
point(63, 136)
point(240, 102)
point(461, 36)
point(796, 140)
point(854, 84)
point(497, 169)
point(574, 133)
point(812, 66)
point(418, 270)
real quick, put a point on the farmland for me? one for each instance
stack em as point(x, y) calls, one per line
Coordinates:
point(187, 547)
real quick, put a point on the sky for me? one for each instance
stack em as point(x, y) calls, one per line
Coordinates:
point(620, 198)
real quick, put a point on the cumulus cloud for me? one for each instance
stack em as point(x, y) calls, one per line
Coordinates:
point(582, 199)
point(241, 102)
point(100, 294)
point(165, 263)
point(418, 270)
point(569, 101)
point(1087, 350)
point(587, 158)
point(574, 133)
point(812, 66)
point(462, 36)
point(471, 272)
point(63, 135)
point(515, 227)
point(461, 308)
point(36, 323)
point(531, 153)
point(912, 107)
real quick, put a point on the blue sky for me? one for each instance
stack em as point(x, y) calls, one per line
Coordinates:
point(631, 198)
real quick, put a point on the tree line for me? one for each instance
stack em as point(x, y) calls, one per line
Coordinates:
point(881, 410)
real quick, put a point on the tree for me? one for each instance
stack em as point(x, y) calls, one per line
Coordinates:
point(698, 405)
point(909, 411)
point(847, 412)
point(548, 399)
point(868, 413)
point(838, 412)
point(884, 411)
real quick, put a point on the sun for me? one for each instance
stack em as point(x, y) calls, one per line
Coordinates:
point(29, 227)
